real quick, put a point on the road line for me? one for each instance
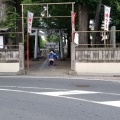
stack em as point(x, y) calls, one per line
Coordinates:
point(108, 103)
point(111, 103)
point(60, 95)
point(73, 92)
point(65, 77)
point(32, 88)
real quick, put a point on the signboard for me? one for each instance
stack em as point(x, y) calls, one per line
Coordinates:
point(30, 19)
point(106, 17)
point(76, 38)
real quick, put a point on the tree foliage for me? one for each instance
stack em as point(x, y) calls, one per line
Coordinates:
point(85, 9)
point(10, 17)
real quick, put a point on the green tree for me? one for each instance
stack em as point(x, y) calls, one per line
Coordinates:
point(85, 10)
point(53, 39)
point(12, 19)
point(82, 7)
point(115, 13)
point(42, 42)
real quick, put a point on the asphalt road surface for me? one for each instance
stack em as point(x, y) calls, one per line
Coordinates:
point(35, 98)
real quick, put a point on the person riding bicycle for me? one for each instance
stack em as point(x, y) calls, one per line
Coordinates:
point(52, 57)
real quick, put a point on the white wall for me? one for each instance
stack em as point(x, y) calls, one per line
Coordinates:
point(9, 67)
point(97, 67)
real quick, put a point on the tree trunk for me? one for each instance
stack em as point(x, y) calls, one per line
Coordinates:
point(83, 25)
point(96, 35)
point(2, 10)
point(18, 22)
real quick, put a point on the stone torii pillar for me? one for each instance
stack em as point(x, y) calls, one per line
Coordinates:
point(61, 46)
point(36, 43)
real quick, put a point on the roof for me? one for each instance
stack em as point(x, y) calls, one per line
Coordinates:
point(4, 29)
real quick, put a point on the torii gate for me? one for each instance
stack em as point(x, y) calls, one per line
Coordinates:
point(73, 27)
point(58, 32)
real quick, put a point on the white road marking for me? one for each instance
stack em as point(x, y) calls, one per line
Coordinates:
point(49, 93)
point(73, 92)
point(20, 91)
point(111, 103)
point(32, 88)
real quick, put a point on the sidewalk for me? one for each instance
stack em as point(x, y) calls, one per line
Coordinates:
point(62, 68)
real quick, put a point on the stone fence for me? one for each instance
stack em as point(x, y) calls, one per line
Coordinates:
point(95, 60)
point(97, 54)
point(12, 59)
point(9, 55)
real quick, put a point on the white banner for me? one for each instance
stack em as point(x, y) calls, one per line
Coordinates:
point(29, 21)
point(106, 17)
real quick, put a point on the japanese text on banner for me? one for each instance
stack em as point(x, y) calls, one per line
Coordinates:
point(106, 17)
point(30, 19)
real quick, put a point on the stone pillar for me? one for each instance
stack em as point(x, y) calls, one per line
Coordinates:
point(113, 37)
point(72, 72)
point(72, 56)
point(36, 45)
point(21, 59)
point(61, 46)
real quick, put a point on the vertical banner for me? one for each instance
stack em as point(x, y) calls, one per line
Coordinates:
point(73, 19)
point(106, 17)
point(29, 21)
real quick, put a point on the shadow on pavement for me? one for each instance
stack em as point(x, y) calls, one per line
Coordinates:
point(40, 67)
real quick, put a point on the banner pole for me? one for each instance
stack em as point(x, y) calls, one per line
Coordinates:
point(29, 22)
point(27, 51)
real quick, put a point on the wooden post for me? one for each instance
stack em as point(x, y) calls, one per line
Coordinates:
point(27, 51)
point(23, 24)
point(47, 11)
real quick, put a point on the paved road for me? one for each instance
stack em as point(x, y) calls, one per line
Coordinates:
point(36, 98)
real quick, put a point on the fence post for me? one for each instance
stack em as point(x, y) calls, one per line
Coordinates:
point(72, 56)
point(21, 59)
point(113, 37)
